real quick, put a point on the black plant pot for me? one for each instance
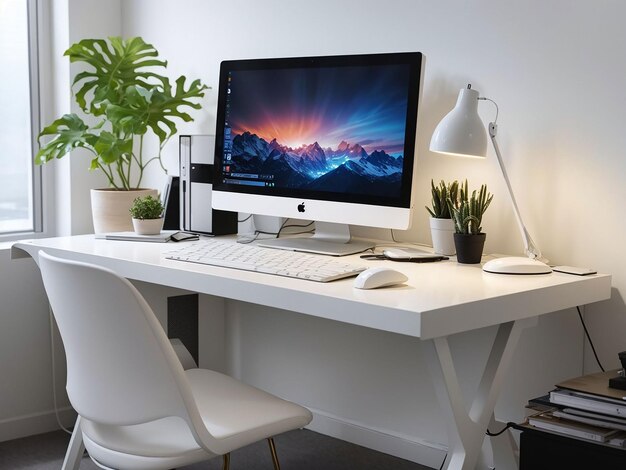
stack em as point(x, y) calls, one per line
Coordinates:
point(469, 247)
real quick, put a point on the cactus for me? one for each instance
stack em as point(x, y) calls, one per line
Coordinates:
point(441, 194)
point(467, 211)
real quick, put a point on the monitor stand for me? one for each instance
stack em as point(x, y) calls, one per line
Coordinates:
point(329, 239)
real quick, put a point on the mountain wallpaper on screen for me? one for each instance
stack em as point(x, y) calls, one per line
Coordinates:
point(337, 129)
point(348, 168)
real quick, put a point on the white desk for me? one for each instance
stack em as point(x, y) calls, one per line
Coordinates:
point(439, 300)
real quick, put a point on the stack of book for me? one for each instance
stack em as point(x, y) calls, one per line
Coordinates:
point(585, 408)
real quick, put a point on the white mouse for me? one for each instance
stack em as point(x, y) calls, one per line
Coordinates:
point(373, 278)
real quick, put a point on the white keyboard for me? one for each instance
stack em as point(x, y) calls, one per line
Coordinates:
point(264, 260)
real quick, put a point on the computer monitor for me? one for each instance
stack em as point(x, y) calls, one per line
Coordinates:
point(329, 139)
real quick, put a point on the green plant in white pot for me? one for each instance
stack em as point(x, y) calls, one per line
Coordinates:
point(467, 213)
point(126, 98)
point(147, 215)
point(441, 224)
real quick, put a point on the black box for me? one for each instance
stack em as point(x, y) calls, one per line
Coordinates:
point(546, 451)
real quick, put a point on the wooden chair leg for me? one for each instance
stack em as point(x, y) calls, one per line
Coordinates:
point(226, 465)
point(270, 441)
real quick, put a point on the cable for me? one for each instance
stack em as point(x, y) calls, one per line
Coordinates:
point(580, 315)
point(298, 225)
point(54, 381)
point(510, 424)
point(243, 241)
point(482, 98)
point(284, 226)
point(243, 220)
point(263, 232)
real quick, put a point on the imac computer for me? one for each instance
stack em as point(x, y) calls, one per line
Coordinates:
point(329, 139)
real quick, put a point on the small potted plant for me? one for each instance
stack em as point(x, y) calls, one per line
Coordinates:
point(441, 224)
point(147, 214)
point(467, 213)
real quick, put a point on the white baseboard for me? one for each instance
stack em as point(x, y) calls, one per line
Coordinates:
point(400, 445)
point(35, 423)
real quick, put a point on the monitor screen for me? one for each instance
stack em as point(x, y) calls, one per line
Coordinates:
point(330, 129)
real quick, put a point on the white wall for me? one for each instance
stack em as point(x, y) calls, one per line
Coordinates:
point(26, 403)
point(69, 22)
point(556, 70)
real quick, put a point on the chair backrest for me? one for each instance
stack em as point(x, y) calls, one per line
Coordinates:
point(121, 369)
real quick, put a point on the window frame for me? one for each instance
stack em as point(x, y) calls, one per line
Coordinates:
point(33, 20)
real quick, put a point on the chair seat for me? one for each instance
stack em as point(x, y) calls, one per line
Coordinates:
point(240, 414)
point(232, 411)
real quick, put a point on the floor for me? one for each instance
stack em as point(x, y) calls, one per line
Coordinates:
point(297, 450)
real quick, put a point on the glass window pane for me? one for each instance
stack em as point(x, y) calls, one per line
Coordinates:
point(16, 191)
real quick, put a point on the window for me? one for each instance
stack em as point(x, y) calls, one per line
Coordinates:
point(20, 186)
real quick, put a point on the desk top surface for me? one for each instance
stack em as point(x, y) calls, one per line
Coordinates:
point(439, 298)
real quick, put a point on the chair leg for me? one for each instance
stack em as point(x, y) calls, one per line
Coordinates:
point(270, 441)
point(226, 465)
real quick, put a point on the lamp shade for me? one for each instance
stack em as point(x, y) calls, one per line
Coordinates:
point(461, 132)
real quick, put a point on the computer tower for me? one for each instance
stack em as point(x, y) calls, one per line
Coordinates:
point(196, 181)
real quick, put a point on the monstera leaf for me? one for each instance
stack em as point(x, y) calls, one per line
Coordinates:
point(117, 64)
point(120, 85)
point(70, 132)
point(111, 148)
point(155, 108)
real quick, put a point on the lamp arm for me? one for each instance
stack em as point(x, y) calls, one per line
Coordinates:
point(531, 250)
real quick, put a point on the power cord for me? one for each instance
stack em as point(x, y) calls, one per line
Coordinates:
point(284, 226)
point(580, 315)
point(243, 220)
point(54, 381)
point(294, 225)
point(510, 424)
point(276, 234)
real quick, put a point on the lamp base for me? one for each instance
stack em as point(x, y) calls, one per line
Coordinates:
point(516, 265)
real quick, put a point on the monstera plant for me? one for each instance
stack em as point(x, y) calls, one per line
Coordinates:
point(126, 95)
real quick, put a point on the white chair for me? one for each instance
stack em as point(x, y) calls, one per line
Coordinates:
point(137, 407)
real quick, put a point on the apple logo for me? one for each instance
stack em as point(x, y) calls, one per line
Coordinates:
point(301, 207)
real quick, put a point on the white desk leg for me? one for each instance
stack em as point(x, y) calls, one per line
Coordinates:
point(466, 431)
point(75, 449)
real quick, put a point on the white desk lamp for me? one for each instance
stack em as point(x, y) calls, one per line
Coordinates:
point(461, 132)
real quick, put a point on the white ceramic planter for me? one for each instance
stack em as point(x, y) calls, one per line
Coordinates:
point(442, 233)
point(109, 208)
point(148, 226)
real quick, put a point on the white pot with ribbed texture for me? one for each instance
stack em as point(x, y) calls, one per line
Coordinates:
point(110, 208)
point(442, 233)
